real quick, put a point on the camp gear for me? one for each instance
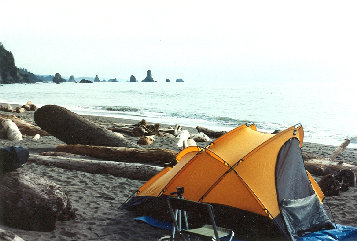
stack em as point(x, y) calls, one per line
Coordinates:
point(179, 207)
point(12, 157)
point(254, 172)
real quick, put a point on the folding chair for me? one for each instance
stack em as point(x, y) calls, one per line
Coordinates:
point(179, 206)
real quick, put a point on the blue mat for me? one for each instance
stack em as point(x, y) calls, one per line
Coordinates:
point(162, 224)
point(340, 233)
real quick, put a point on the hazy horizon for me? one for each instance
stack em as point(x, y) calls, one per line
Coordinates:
point(192, 40)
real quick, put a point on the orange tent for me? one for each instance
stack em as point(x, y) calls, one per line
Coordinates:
point(248, 170)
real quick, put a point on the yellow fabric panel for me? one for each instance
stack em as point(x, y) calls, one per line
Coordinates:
point(316, 187)
point(185, 155)
point(258, 170)
point(198, 176)
point(188, 152)
point(160, 183)
point(233, 192)
point(238, 144)
point(154, 178)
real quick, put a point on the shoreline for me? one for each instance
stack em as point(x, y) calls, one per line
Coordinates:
point(98, 197)
point(316, 149)
point(333, 140)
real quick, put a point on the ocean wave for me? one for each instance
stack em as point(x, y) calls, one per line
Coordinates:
point(119, 108)
point(221, 120)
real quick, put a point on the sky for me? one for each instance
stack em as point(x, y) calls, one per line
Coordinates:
point(193, 40)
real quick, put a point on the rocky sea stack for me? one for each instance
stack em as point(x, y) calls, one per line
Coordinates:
point(85, 81)
point(58, 79)
point(132, 78)
point(96, 79)
point(71, 79)
point(148, 77)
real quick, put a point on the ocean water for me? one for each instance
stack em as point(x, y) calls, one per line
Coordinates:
point(326, 110)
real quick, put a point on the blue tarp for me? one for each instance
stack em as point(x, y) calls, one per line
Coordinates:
point(340, 233)
point(162, 224)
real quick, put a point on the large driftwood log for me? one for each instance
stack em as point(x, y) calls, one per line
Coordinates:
point(321, 166)
point(210, 133)
point(25, 127)
point(134, 171)
point(154, 156)
point(9, 236)
point(30, 202)
point(72, 128)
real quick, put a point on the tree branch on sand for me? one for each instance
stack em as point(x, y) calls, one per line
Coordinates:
point(134, 171)
point(155, 156)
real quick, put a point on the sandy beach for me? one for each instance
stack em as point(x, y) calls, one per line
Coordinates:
point(97, 197)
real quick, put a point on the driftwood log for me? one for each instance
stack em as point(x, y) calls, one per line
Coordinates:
point(210, 133)
point(9, 236)
point(25, 127)
point(320, 166)
point(134, 171)
point(155, 156)
point(72, 128)
point(30, 202)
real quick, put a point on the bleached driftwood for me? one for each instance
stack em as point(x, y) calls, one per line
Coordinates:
point(339, 149)
point(155, 156)
point(211, 133)
point(31, 202)
point(200, 137)
point(134, 171)
point(25, 127)
point(72, 128)
point(182, 138)
point(9, 236)
point(10, 130)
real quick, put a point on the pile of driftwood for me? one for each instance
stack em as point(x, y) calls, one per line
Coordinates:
point(22, 126)
point(29, 106)
point(335, 176)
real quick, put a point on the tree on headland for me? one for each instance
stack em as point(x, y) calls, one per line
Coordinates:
point(9, 73)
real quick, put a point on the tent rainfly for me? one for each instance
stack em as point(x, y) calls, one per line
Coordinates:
point(258, 173)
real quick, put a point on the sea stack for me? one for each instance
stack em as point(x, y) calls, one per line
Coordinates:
point(132, 78)
point(96, 79)
point(58, 79)
point(148, 77)
point(71, 79)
